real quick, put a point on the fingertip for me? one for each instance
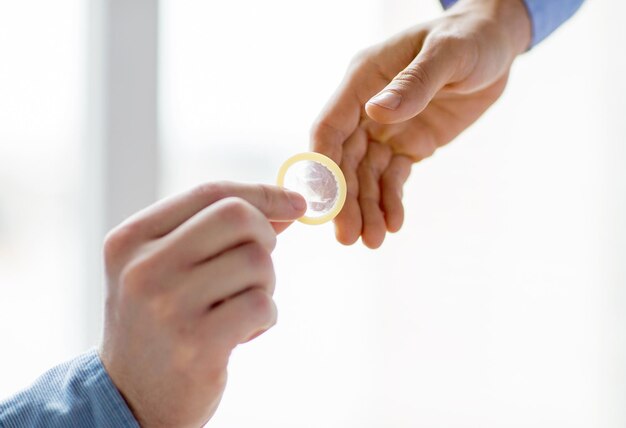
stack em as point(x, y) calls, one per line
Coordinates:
point(388, 99)
point(281, 226)
point(348, 224)
point(345, 238)
point(260, 332)
point(297, 201)
point(373, 239)
point(381, 115)
point(345, 233)
point(255, 335)
point(374, 229)
point(394, 213)
point(394, 223)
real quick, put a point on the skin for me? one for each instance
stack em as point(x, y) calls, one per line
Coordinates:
point(189, 279)
point(406, 97)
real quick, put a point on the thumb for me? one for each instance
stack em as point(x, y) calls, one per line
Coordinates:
point(413, 88)
point(279, 205)
point(276, 203)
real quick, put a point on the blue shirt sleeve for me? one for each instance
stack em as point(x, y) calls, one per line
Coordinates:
point(78, 393)
point(545, 15)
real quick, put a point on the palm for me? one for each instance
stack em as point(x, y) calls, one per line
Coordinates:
point(376, 155)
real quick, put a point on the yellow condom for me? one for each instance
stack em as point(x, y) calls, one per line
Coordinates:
point(319, 180)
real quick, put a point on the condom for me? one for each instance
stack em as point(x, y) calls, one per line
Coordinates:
point(319, 180)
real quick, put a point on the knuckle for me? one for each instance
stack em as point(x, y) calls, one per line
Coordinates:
point(237, 211)
point(213, 190)
point(413, 76)
point(429, 149)
point(269, 197)
point(259, 257)
point(271, 238)
point(322, 131)
point(241, 215)
point(261, 306)
point(361, 58)
point(392, 176)
point(425, 149)
point(139, 277)
point(372, 170)
point(118, 240)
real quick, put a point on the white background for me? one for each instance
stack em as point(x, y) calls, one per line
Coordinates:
point(499, 304)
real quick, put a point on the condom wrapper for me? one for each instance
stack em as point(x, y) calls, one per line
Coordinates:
point(319, 180)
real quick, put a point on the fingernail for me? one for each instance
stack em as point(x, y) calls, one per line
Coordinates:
point(255, 335)
point(387, 99)
point(297, 201)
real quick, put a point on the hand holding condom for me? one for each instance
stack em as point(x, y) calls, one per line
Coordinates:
point(319, 180)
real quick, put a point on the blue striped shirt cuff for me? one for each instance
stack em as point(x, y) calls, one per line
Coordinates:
point(78, 393)
point(545, 15)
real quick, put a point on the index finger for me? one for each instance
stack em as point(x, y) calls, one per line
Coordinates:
point(338, 120)
point(277, 204)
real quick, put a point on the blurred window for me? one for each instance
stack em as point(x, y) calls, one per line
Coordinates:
point(41, 121)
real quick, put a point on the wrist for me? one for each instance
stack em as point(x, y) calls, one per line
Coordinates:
point(510, 16)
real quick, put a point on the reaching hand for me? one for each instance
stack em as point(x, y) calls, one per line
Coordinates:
point(406, 97)
point(188, 279)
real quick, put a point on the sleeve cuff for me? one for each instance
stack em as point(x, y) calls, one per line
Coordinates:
point(106, 398)
point(545, 15)
point(548, 15)
point(74, 394)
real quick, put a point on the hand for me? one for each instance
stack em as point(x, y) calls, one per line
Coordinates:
point(406, 97)
point(188, 279)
